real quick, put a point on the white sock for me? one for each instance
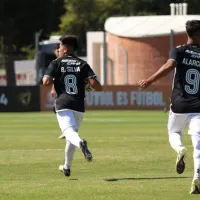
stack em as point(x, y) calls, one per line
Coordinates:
point(69, 154)
point(175, 140)
point(72, 136)
point(196, 155)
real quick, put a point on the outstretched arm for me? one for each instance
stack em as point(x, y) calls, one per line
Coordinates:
point(163, 71)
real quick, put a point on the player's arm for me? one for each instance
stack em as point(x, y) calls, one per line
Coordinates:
point(52, 91)
point(47, 81)
point(163, 71)
point(96, 85)
point(49, 74)
point(92, 78)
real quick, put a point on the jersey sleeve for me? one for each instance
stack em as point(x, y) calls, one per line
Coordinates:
point(173, 54)
point(50, 72)
point(88, 72)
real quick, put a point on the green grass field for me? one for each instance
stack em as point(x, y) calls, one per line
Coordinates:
point(132, 158)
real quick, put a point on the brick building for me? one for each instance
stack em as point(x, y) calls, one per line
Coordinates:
point(138, 46)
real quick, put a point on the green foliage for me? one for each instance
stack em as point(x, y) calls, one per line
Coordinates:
point(80, 17)
point(19, 20)
point(29, 52)
point(90, 15)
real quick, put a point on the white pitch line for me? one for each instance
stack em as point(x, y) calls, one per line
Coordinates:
point(30, 150)
point(24, 116)
point(96, 119)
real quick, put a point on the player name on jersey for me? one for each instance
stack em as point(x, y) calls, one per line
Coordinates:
point(191, 62)
point(70, 69)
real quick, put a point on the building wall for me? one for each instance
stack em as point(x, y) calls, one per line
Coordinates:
point(145, 56)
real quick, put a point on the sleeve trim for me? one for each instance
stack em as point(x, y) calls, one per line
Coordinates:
point(93, 76)
point(172, 59)
point(49, 77)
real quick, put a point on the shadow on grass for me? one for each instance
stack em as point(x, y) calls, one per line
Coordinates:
point(151, 178)
point(73, 179)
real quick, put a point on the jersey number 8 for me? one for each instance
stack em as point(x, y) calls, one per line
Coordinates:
point(71, 84)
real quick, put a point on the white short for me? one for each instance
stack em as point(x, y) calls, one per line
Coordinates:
point(177, 123)
point(69, 118)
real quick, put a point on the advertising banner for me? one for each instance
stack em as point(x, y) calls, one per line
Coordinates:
point(118, 97)
point(130, 98)
point(19, 99)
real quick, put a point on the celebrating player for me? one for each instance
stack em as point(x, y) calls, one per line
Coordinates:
point(185, 98)
point(69, 74)
point(56, 52)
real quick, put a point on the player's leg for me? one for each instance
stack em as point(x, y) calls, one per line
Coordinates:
point(195, 187)
point(83, 145)
point(68, 125)
point(176, 125)
point(69, 154)
point(66, 122)
point(70, 148)
point(78, 118)
point(194, 131)
point(61, 136)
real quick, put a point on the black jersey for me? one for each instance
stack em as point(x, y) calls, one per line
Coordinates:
point(69, 74)
point(186, 86)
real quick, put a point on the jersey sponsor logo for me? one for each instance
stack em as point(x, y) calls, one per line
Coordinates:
point(71, 62)
point(193, 54)
point(191, 62)
point(70, 69)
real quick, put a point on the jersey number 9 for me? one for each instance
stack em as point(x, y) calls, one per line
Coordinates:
point(192, 77)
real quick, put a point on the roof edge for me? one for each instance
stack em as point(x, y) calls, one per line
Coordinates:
point(147, 26)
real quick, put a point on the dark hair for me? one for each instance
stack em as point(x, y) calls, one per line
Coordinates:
point(192, 27)
point(57, 46)
point(70, 40)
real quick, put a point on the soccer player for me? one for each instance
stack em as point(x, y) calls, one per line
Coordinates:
point(56, 52)
point(185, 98)
point(70, 73)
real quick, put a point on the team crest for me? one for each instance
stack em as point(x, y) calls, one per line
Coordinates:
point(25, 98)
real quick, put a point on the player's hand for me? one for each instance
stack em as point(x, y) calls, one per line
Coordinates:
point(52, 93)
point(144, 83)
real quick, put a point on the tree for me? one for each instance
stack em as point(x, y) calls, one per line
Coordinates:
point(79, 18)
point(90, 15)
point(23, 18)
point(19, 20)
